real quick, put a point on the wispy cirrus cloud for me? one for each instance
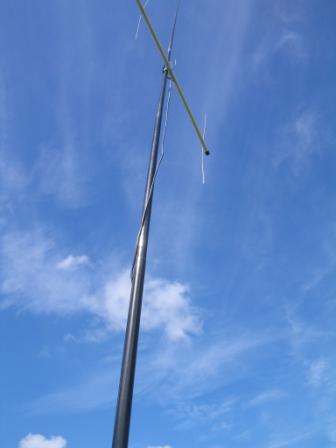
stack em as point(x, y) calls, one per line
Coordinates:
point(312, 343)
point(96, 391)
point(64, 166)
point(61, 172)
point(13, 178)
point(283, 442)
point(292, 42)
point(60, 165)
point(216, 416)
point(266, 397)
point(178, 378)
point(285, 38)
point(289, 43)
point(304, 137)
point(317, 372)
point(31, 281)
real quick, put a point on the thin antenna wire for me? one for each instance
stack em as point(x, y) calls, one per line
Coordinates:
point(204, 131)
point(139, 21)
point(166, 120)
point(156, 172)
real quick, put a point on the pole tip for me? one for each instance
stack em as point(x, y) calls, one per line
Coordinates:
point(207, 152)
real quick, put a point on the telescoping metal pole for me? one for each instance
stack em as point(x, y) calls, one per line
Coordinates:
point(124, 403)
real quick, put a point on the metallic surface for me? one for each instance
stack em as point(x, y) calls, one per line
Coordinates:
point(124, 403)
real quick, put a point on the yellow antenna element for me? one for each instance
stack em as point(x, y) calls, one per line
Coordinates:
point(173, 77)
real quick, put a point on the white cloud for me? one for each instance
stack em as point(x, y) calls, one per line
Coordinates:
point(39, 441)
point(166, 306)
point(72, 262)
point(34, 279)
point(159, 446)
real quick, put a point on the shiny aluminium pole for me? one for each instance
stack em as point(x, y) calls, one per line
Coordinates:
point(126, 385)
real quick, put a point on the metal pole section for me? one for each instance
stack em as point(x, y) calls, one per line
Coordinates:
point(124, 403)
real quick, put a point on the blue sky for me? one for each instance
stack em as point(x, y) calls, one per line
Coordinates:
point(237, 345)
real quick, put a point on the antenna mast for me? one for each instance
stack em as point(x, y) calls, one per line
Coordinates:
point(126, 385)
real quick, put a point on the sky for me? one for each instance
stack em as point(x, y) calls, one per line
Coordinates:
point(237, 342)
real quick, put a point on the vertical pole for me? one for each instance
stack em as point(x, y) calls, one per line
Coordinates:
point(125, 396)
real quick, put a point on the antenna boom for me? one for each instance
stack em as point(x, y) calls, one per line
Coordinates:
point(173, 77)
